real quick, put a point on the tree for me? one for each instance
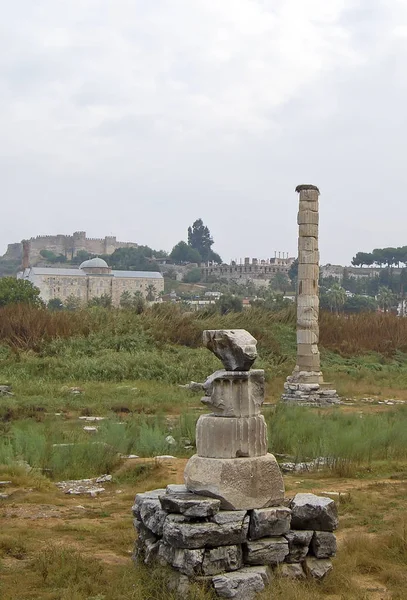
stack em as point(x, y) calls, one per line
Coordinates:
point(132, 259)
point(336, 297)
point(293, 272)
point(385, 298)
point(139, 303)
point(126, 300)
point(193, 276)
point(357, 304)
point(81, 256)
point(18, 291)
point(104, 300)
point(55, 304)
point(229, 303)
point(280, 282)
point(183, 253)
point(51, 257)
point(199, 237)
point(151, 293)
point(72, 303)
point(363, 258)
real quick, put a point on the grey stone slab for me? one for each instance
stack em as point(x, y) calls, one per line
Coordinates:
point(152, 515)
point(323, 544)
point(313, 512)
point(267, 551)
point(265, 522)
point(181, 533)
point(317, 568)
point(238, 585)
point(140, 498)
point(174, 488)
point(291, 571)
point(189, 504)
point(187, 561)
point(223, 558)
point(298, 544)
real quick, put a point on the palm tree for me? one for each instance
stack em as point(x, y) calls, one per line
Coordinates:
point(336, 297)
point(385, 298)
point(151, 292)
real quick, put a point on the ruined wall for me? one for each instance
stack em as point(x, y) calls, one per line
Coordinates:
point(68, 245)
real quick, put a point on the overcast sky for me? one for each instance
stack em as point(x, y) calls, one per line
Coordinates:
point(136, 117)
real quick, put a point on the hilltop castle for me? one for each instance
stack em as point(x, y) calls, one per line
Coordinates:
point(68, 245)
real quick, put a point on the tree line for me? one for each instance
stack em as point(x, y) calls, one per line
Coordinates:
point(389, 257)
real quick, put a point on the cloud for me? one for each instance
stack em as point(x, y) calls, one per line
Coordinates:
point(175, 109)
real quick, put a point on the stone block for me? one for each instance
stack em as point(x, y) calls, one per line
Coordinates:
point(308, 193)
point(308, 272)
point(323, 544)
point(267, 551)
point(174, 488)
point(235, 348)
point(152, 515)
point(181, 533)
point(291, 571)
point(317, 568)
point(308, 230)
point(235, 393)
point(308, 286)
point(307, 349)
point(311, 363)
point(151, 549)
point(311, 301)
point(305, 336)
point(265, 522)
point(313, 512)
point(140, 498)
point(223, 558)
point(308, 243)
point(240, 585)
point(190, 505)
point(298, 544)
point(308, 257)
point(310, 205)
point(239, 483)
point(187, 561)
point(226, 437)
point(307, 217)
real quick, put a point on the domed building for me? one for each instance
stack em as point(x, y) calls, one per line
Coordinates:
point(93, 279)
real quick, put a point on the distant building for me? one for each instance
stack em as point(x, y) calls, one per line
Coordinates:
point(92, 279)
point(67, 245)
point(259, 272)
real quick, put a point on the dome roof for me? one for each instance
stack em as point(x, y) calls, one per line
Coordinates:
point(94, 263)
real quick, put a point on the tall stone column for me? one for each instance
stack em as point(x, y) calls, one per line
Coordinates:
point(306, 384)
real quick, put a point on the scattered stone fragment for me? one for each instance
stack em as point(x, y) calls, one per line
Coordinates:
point(239, 585)
point(190, 505)
point(313, 512)
point(265, 522)
point(174, 488)
point(90, 429)
point(4, 496)
point(130, 456)
point(188, 561)
point(164, 457)
point(3, 483)
point(298, 544)
point(91, 419)
point(79, 487)
point(75, 390)
point(267, 551)
point(223, 558)
point(323, 544)
point(193, 386)
point(5, 390)
point(235, 348)
point(104, 479)
point(317, 567)
point(291, 571)
point(170, 440)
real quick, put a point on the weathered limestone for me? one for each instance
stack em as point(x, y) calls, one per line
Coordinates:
point(298, 544)
point(308, 367)
point(267, 522)
point(239, 585)
point(240, 483)
point(313, 512)
point(316, 567)
point(323, 544)
point(223, 437)
point(235, 393)
point(232, 463)
point(179, 532)
point(235, 348)
point(190, 505)
point(267, 551)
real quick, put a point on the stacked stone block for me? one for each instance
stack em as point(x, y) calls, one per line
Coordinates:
point(305, 385)
point(235, 552)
